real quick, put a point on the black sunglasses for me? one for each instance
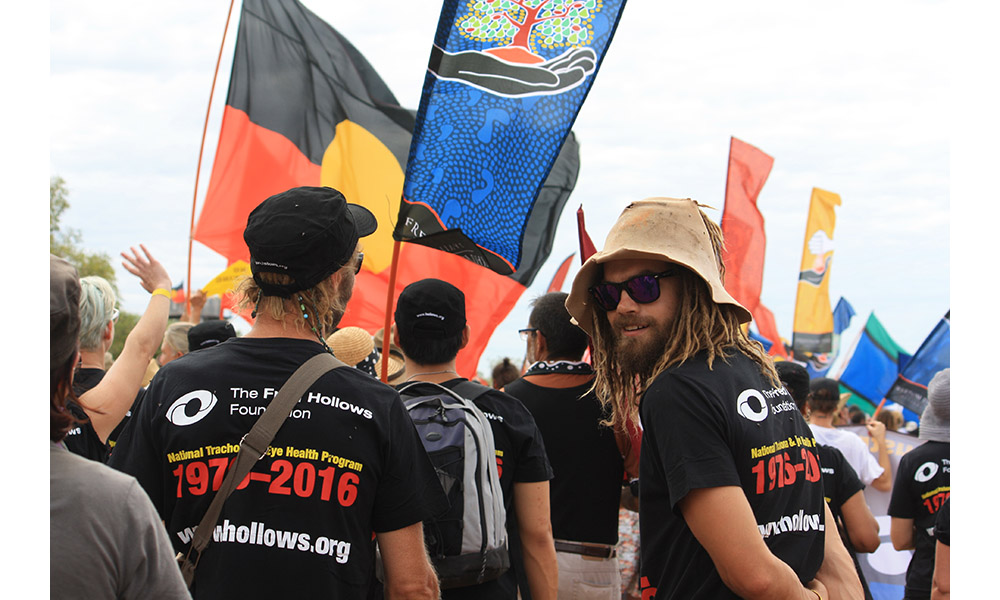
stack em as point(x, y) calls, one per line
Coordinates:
point(361, 259)
point(642, 288)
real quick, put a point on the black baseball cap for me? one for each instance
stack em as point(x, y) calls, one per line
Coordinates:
point(430, 308)
point(210, 333)
point(306, 233)
point(795, 378)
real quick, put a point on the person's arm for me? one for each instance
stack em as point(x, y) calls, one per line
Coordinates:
point(107, 403)
point(837, 573)
point(192, 312)
point(862, 528)
point(408, 570)
point(941, 580)
point(901, 533)
point(723, 523)
point(531, 504)
point(876, 429)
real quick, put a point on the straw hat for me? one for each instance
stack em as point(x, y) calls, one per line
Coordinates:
point(354, 346)
point(397, 364)
point(668, 229)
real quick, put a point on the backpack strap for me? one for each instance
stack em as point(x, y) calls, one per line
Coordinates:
point(471, 390)
point(252, 447)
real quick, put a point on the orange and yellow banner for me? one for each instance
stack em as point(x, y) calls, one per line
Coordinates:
point(812, 330)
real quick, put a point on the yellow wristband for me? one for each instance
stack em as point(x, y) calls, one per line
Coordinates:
point(817, 594)
point(162, 292)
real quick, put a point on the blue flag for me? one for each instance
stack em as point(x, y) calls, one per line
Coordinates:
point(818, 364)
point(503, 86)
point(934, 354)
point(874, 363)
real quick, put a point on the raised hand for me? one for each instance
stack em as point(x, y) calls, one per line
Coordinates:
point(150, 272)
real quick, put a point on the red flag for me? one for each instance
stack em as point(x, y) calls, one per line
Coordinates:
point(586, 245)
point(766, 326)
point(743, 231)
point(560, 277)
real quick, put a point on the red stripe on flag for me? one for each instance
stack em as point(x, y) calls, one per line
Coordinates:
point(489, 297)
point(251, 164)
point(560, 277)
point(586, 245)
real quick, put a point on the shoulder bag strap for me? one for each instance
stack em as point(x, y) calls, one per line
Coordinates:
point(252, 447)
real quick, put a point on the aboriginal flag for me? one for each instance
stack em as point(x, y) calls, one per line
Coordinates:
point(306, 108)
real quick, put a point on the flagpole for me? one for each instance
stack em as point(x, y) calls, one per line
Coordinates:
point(201, 150)
point(388, 311)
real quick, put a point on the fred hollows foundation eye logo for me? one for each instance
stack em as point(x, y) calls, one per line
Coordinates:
point(751, 405)
point(191, 407)
point(926, 472)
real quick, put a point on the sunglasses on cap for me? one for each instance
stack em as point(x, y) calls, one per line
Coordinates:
point(642, 288)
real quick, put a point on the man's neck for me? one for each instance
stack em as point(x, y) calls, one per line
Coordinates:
point(290, 327)
point(92, 359)
point(433, 373)
point(821, 420)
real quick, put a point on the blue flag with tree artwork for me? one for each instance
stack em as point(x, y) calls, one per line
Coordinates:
point(504, 83)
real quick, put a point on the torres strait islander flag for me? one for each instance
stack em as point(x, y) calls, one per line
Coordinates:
point(305, 108)
point(503, 86)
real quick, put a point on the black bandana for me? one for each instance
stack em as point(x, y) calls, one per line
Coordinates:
point(568, 367)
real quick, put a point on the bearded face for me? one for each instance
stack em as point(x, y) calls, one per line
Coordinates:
point(637, 332)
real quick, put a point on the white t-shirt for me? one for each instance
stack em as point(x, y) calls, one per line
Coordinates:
point(854, 449)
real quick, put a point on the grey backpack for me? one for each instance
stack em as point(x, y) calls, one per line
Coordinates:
point(468, 542)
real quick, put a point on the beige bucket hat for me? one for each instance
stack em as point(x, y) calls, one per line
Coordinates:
point(668, 229)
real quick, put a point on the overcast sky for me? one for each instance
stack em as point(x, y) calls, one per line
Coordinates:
point(852, 99)
point(891, 104)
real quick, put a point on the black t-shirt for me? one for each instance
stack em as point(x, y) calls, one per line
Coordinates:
point(346, 463)
point(585, 459)
point(82, 439)
point(521, 458)
point(727, 426)
point(840, 483)
point(923, 483)
point(942, 523)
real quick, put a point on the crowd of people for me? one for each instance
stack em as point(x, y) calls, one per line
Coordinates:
point(645, 448)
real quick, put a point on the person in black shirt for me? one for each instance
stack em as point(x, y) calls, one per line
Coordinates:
point(941, 581)
point(730, 491)
point(346, 467)
point(584, 454)
point(922, 485)
point(430, 328)
point(842, 487)
point(105, 398)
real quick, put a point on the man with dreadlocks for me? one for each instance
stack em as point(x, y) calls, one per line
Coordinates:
point(730, 493)
point(345, 463)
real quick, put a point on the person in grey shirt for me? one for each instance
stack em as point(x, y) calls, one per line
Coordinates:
point(105, 538)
